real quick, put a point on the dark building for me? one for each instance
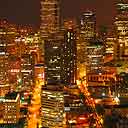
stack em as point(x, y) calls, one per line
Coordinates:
point(69, 57)
point(60, 59)
point(53, 60)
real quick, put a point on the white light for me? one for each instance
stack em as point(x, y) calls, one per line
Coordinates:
point(103, 94)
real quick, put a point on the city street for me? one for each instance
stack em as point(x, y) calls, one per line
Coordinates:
point(34, 109)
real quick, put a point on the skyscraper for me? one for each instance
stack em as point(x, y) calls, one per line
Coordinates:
point(53, 60)
point(50, 18)
point(95, 55)
point(87, 32)
point(88, 24)
point(69, 53)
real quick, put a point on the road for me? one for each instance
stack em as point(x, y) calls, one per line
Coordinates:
point(91, 102)
point(34, 109)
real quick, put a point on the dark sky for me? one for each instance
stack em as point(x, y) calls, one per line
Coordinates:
point(27, 11)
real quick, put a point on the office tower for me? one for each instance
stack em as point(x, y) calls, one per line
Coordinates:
point(3, 56)
point(87, 32)
point(81, 55)
point(9, 110)
point(52, 107)
point(52, 100)
point(35, 45)
point(88, 24)
point(69, 54)
point(50, 17)
point(4, 85)
point(121, 24)
point(53, 60)
point(121, 30)
point(95, 55)
point(110, 48)
point(27, 70)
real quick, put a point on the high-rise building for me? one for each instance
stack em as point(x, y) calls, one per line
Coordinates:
point(3, 55)
point(69, 54)
point(88, 24)
point(60, 58)
point(95, 56)
point(87, 32)
point(27, 69)
point(50, 17)
point(53, 60)
point(110, 48)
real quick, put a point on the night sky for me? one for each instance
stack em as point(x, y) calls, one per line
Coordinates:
point(28, 11)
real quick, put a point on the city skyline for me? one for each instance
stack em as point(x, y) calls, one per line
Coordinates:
point(63, 64)
point(28, 12)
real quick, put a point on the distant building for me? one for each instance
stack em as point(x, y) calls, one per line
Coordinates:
point(110, 48)
point(50, 17)
point(86, 32)
point(95, 56)
point(88, 24)
point(27, 69)
point(3, 55)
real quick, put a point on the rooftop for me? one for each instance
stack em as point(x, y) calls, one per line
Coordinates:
point(11, 96)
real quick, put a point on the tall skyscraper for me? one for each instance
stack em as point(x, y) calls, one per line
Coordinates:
point(53, 60)
point(87, 32)
point(69, 53)
point(50, 19)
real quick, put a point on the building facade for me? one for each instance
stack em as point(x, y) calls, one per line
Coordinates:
point(95, 56)
point(53, 60)
point(10, 109)
point(88, 24)
point(52, 108)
